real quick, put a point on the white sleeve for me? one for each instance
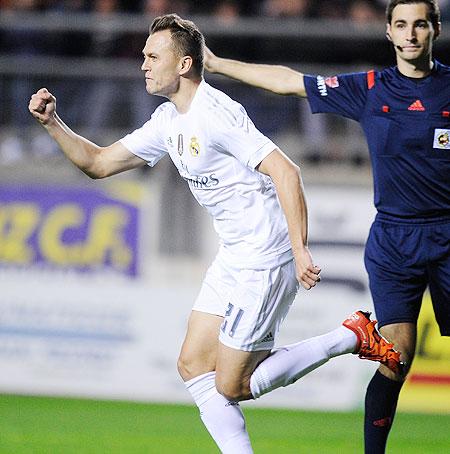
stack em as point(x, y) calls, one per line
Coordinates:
point(242, 139)
point(147, 142)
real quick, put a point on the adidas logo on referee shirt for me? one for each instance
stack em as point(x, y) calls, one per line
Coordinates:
point(417, 105)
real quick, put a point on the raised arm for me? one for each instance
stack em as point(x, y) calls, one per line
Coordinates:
point(288, 183)
point(275, 78)
point(93, 160)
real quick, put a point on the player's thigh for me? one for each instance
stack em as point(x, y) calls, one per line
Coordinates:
point(234, 369)
point(396, 263)
point(199, 350)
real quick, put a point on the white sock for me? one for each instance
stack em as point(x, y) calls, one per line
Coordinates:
point(291, 362)
point(223, 419)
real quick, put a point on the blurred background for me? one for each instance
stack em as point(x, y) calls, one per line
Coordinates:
point(97, 278)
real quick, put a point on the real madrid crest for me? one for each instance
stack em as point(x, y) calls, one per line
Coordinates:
point(194, 147)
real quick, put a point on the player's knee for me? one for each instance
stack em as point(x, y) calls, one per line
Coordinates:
point(186, 367)
point(190, 367)
point(232, 391)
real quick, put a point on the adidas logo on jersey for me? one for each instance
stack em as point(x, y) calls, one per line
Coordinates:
point(417, 105)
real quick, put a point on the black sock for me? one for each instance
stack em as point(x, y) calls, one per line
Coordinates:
point(381, 403)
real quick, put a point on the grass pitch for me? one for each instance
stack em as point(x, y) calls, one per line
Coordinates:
point(37, 425)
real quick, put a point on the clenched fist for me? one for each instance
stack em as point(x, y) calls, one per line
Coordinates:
point(43, 106)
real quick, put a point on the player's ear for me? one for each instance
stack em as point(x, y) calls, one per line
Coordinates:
point(185, 64)
point(388, 32)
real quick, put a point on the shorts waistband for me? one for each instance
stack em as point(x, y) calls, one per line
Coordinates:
point(278, 258)
point(387, 219)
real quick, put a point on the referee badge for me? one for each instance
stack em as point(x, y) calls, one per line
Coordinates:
point(194, 146)
point(441, 139)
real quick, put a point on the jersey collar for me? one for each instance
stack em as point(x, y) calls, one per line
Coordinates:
point(421, 80)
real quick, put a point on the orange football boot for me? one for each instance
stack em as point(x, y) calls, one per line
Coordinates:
point(371, 344)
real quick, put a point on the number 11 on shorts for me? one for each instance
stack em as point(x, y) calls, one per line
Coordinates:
point(236, 319)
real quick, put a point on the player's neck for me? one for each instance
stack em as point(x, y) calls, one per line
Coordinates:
point(185, 94)
point(415, 69)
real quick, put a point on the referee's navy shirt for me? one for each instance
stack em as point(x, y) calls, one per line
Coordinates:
point(407, 125)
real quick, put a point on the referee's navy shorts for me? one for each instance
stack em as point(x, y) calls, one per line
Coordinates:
point(402, 260)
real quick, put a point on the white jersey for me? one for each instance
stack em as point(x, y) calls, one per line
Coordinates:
point(216, 148)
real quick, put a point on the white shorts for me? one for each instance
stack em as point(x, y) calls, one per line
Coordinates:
point(253, 302)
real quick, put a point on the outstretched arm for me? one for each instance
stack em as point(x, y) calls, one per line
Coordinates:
point(275, 78)
point(288, 183)
point(93, 160)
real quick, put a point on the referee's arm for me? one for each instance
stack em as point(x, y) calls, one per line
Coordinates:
point(275, 78)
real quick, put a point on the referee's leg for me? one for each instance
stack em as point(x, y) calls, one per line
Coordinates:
point(398, 279)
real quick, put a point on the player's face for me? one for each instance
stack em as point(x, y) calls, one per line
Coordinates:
point(411, 32)
point(161, 65)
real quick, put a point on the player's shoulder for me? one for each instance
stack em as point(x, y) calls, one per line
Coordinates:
point(212, 95)
point(218, 106)
point(164, 110)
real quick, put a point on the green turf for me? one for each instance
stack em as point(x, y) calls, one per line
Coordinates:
point(66, 426)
